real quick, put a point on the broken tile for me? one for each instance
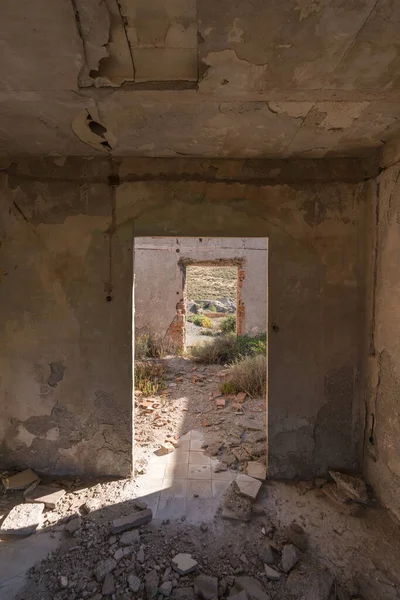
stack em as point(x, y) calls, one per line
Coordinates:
point(49, 495)
point(166, 448)
point(248, 486)
point(183, 563)
point(131, 521)
point(257, 470)
point(23, 519)
point(21, 481)
point(220, 402)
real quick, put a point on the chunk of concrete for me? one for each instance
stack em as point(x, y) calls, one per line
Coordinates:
point(21, 481)
point(251, 586)
point(133, 582)
point(23, 519)
point(257, 470)
point(165, 589)
point(351, 485)
point(129, 537)
point(290, 557)
point(104, 568)
point(151, 584)
point(73, 525)
point(271, 573)
point(166, 448)
point(248, 486)
point(109, 585)
point(206, 587)
point(240, 596)
point(134, 520)
point(183, 563)
point(46, 494)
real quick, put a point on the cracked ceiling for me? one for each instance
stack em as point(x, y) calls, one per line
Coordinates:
point(233, 78)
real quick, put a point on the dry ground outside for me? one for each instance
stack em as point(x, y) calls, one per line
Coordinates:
point(211, 283)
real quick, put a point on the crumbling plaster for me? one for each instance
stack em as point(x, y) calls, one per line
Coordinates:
point(66, 296)
point(382, 361)
point(229, 79)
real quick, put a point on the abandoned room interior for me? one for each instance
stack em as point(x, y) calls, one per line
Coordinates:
point(200, 300)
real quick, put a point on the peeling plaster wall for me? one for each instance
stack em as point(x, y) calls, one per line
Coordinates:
point(382, 393)
point(160, 281)
point(66, 287)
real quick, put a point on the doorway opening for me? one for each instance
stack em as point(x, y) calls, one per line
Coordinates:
point(200, 398)
point(211, 301)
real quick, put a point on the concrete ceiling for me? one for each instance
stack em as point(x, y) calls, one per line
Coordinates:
point(235, 78)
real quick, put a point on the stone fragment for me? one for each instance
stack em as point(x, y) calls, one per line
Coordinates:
point(50, 496)
point(241, 397)
point(220, 402)
point(248, 486)
point(270, 573)
point(251, 424)
point(151, 584)
point(63, 581)
point(265, 553)
point(129, 537)
point(297, 536)
point(183, 563)
point(341, 499)
point(21, 480)
point(108, 586)
point(23, 519)
point(133, 582)
point(103, 568)
point(351, 485)
point(240, 596)
point(184, 593)
point(315, 585)
point(257, 470)
point(290, 556)
point(140, 555)
point(166, 448)
point(165, 589)
point(134, 520)
point(73, 525)
point(206, 587)
point(251, 586)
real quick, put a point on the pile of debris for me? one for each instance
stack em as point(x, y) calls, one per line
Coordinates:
point(347, 491)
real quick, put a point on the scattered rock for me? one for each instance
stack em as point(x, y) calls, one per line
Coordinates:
point(134, 520)
point(108, 586)
point(129, 537)
point(103, 568)
point(140, 555)
point(241, 397)
point(220, 402)
point(257, 470)
point(266, 554)
point(21, 481)
point(297, 536)
point(206, 587)
point(151, 584)
point(251, 586)
point(73, 525)
point(351, 485)
point(290, 557)
point(166, 448)
point(247, 486)
point(184, 593)
point(134, 582)
point(49, 496)
point(23, 519)
point(166, 588)
point(63, 581)
point(270, 573)
point(183, 564)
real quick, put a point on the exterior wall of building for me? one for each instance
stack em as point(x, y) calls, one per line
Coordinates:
point(160, 268)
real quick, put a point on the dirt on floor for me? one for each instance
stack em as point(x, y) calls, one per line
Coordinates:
point(234, 427)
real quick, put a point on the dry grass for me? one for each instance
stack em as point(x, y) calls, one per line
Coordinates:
point(249, 375)
point(211, 283)
point(152, 346)
point(149, 377)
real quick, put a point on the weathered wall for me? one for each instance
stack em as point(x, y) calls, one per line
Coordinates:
point(159, 268)
point(66, 287)
point(382, 393)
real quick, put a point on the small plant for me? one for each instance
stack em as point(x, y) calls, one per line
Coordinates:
point(228, 348)
point(149, 377)
point(228, 387)
point(213, 308)
point(249, 375)
point(151, 346)
point(207, 332)
point(228, 324)
point(200, 321)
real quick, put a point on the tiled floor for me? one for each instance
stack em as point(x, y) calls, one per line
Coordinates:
point(184, 483)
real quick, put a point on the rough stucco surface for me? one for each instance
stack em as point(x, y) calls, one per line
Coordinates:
point(246, 78)
point(66, 351)
point(382, 398)
point(159, 268)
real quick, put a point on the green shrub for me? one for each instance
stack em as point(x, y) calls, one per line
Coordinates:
point(228, 324)
point(229, 348)
point(228, 387)
point(200, 321)
point(207, 332)
point(249, 375)
point(149, 377)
